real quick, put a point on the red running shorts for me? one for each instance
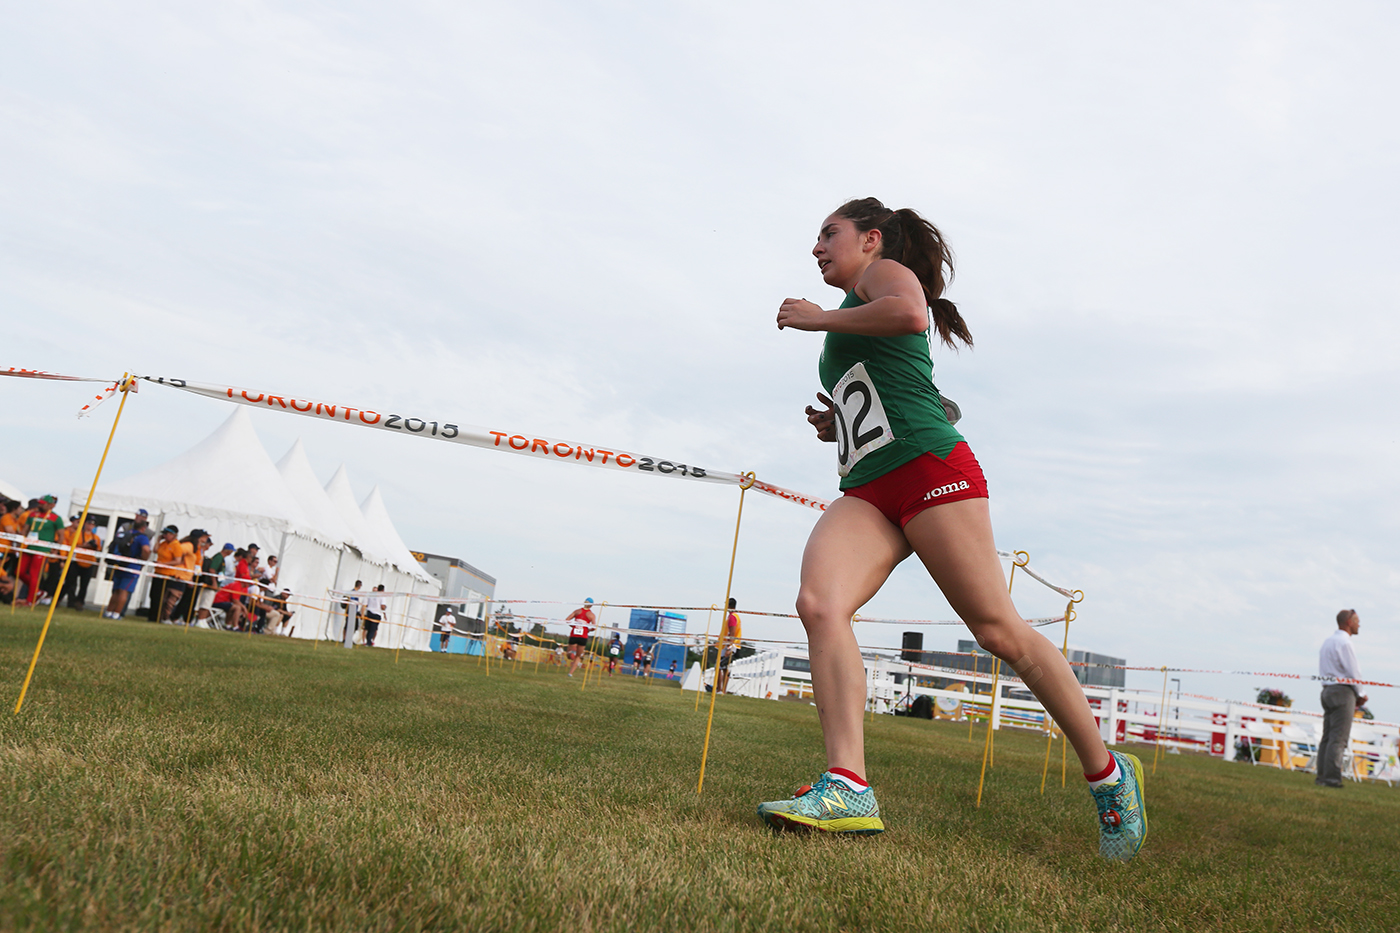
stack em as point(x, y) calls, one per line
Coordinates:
point(924, 482)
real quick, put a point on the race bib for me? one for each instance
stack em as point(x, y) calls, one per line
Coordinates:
point(861, 425)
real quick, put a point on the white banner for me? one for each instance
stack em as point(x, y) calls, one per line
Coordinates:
point(508, 440)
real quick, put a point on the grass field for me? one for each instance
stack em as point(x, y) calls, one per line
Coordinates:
point(159, 779)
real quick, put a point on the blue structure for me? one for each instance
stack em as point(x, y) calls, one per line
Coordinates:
point(649, 620)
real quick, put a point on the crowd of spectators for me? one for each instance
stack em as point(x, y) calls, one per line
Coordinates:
point(229, 589)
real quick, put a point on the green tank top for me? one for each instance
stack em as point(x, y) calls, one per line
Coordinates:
point(888, 411)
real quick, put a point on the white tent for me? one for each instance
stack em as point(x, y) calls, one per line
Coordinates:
point(418, 615)
point(225, 483)
point(382, 562)
point(312, 563)
point(379, 524)
point(11, 491)
point(229, 486)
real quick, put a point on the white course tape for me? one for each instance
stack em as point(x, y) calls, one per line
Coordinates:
point(505, 441)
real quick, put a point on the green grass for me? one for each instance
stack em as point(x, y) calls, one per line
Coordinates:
point(167, 780)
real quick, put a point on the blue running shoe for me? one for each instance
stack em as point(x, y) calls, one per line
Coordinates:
point(828, 805)
point(1122, 813)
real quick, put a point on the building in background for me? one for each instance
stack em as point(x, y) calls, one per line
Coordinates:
point(1093, 670)
point(460, 581)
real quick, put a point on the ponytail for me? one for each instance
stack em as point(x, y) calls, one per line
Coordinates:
point(916, 244)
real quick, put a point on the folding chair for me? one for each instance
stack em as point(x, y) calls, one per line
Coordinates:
point(1294, 735)
point(1264, 733)
point(1365, 754)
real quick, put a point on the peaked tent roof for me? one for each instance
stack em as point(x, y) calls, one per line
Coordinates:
point(11, 490)
point(302, 483)
point(377, 518)
point(343, 498)
point(226, 475)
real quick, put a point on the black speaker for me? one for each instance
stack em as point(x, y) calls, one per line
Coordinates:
point(913, 647)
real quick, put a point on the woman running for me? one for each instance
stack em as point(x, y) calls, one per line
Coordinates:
point(910, 486)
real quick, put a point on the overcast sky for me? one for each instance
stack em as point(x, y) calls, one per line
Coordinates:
point(1175, 230)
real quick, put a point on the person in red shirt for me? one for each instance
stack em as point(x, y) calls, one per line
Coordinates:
point(230, 597)
point(581, 622)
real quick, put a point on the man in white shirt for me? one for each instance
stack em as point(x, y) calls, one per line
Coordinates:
point(448, 623)
point(1337, 661)
point(375, 608)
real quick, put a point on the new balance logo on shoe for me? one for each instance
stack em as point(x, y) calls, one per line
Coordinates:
point(833, 802)
point(944, 490)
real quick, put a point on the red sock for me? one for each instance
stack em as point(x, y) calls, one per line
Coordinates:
point(1104, 773)
point(850, 776)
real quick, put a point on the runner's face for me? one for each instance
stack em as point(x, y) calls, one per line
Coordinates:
point(843, 252)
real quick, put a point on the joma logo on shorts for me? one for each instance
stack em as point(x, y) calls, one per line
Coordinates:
point(944, 490)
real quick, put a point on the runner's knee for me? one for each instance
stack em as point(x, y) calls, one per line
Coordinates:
point(817, 613)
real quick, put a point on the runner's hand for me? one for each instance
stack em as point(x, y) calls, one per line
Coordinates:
point(823, 421)
point(801, 314)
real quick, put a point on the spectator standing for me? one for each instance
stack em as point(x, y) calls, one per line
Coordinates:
point(353, 608)
point(53, 567)
point(136, 550)
point(75, 587)
point(169, 563)
point(730, 634)
point(41, 525)
point(192, 549)
point(9, 525)
point(1337, 661)
point(375, 607)
point(448, 623)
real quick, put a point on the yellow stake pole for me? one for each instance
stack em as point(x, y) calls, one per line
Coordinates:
point(1069, 617)
point(704, 655)
point(1020, 559)
point(126, 385)
point(1161, 718)
point(1050, 737)
point(987, 745)
point(728, 588)
point(972, 684)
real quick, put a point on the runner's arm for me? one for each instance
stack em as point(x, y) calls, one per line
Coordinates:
point(895, 306)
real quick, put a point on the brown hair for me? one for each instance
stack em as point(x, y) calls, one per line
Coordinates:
point(916, 244)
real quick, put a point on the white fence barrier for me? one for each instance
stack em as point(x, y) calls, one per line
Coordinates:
point(1272, 736)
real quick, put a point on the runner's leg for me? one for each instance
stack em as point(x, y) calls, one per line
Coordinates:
point(954, 541)
point(850, 554)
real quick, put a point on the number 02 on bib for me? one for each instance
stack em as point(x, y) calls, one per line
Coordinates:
point(861, 425)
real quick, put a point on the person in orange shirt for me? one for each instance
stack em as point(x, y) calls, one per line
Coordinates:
point(731, 633)
point(9, 525)
point(191, 561)
point(75, 585)
point(183, 557)
point(167, 580)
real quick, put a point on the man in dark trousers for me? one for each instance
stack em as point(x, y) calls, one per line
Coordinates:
point(1337, 662)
